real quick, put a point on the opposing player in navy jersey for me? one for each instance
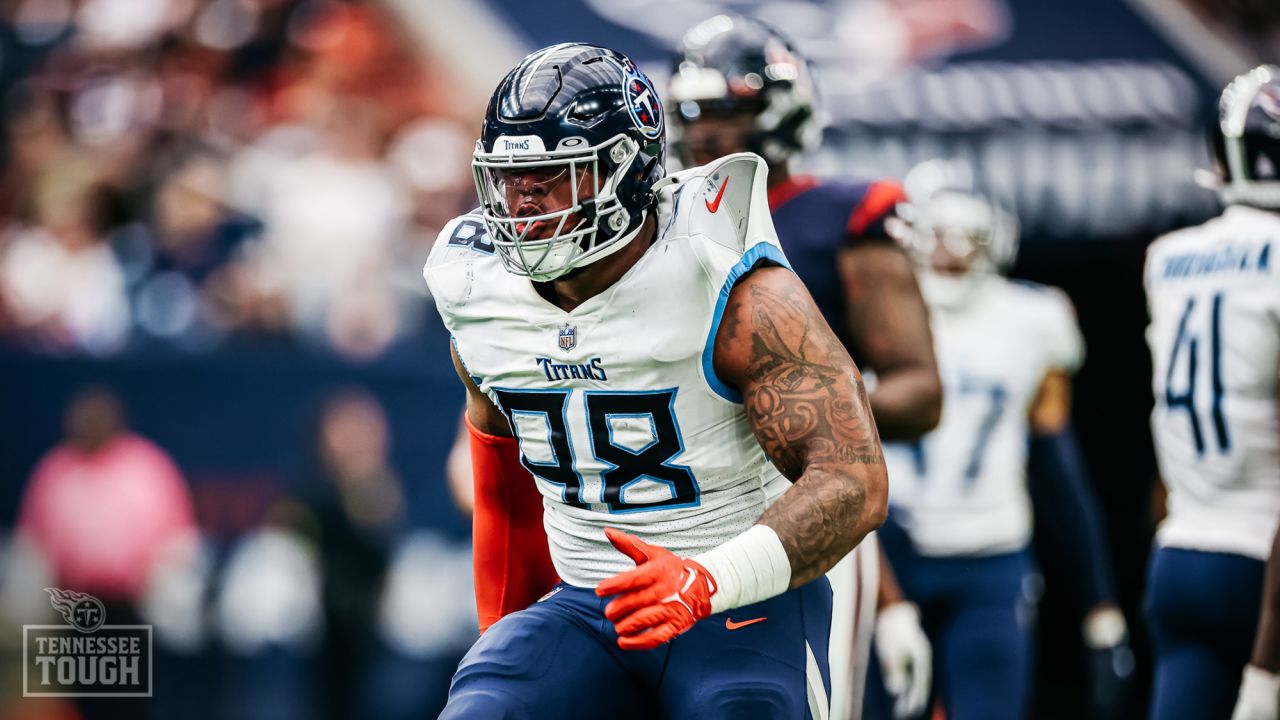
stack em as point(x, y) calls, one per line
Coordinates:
point(701, 441)
point(739, 85)
point(1213, 292)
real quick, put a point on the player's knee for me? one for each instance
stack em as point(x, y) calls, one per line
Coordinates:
point(759, 700)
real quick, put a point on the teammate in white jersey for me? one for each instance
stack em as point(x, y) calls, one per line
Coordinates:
point(1213, 292)
point(960, 510)
point(701, 440)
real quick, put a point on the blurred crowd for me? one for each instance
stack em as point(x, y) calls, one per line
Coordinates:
point(178, 174)
point(331, 606)
point(180, 170)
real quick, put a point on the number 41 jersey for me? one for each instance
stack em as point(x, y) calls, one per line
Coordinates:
point(1213, 292)
point(617, 408)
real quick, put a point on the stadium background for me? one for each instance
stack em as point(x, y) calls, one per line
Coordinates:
point(214, 213)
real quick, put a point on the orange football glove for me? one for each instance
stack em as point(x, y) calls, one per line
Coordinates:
point(663, 597)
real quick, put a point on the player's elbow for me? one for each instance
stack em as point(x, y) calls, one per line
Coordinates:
point(930, 413)
point(876, 508)
point(908, 403)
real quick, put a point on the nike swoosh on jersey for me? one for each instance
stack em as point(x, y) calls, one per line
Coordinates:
point(712, 207)
point(731, 625)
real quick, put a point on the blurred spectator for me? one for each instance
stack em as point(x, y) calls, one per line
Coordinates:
point(58, 277)
point(269, 617)
point(358, 505)
point(106, 505)
point(176, 266)
point(434, 158)
point(194, 128)
point(457, 470)
point(427, 621)
point(332, 217)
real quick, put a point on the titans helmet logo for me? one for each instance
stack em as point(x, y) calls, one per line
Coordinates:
point(642, 102)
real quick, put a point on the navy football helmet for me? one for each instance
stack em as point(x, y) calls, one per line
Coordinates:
point(731, 65)
point(574, 113)
point(1246, 139)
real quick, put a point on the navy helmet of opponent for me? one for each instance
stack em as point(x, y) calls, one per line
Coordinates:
point(739, 84)
point(739, 67)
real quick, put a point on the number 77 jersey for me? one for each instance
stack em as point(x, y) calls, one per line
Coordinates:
point(1213, 292)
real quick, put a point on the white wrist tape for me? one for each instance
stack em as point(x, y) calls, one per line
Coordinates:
point(1258, 692)
point(747, 569)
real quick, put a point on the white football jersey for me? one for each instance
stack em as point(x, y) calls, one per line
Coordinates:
point(1213, 292)
point(617, 408)
point(962, 489)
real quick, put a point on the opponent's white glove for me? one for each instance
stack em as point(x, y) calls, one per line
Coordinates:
point(905, 657)
point(1110, 661)
point(1259, 695)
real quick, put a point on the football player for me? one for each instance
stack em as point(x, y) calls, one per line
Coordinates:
point(738, 85)
point(1213, 292)
point(701, 440)
point(960, 520)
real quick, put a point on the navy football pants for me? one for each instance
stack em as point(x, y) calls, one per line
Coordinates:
point(559, 660)
point(1202, 608)
point(979, 615)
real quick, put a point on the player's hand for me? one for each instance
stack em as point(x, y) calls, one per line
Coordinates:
point(1259, 695)
point(906, 657)
point(663, 597)
point(1111, 661)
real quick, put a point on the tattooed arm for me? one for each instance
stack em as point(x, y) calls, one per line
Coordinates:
point(806, 403)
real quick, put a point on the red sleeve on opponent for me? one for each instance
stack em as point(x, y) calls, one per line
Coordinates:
point(867, 219)
point(511, 562)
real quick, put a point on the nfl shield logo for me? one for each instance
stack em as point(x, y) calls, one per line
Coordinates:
point(568, 337)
